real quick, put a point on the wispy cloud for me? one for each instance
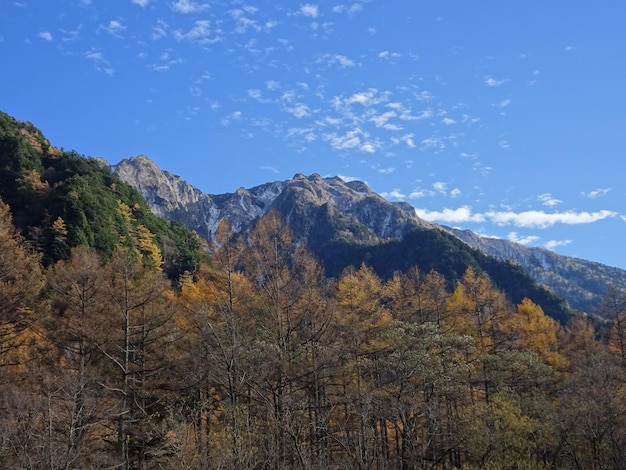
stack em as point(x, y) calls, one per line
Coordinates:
point(503, 103)
point(552, 244)
point(596, 193)
point(388, 55)
point(113, 28)
point(242, 20)
point(514, 237)
point(272, 169)
point(200, 33)
point(350, 9)
point(548, 200)
point(347, 179)
point(492, 82)
point(159, 30)
point(354, 139)
point(395, 194)
point(336, 60)
point(141, 3)
point(100, 62)
point(166, 60)
point(188, 6)
point(234, 116)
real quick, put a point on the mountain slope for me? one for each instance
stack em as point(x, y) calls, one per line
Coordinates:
point(581, 282)
point(344, 223)
point(60, 200)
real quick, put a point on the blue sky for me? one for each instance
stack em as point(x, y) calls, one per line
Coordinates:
point(506, 118)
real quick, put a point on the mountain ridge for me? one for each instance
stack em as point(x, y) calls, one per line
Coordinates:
point(363, 217)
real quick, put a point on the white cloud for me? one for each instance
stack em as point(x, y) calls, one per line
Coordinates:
point(395, 194)
point(596, 193)
point(492, 82)
point(540, 219)
point(234, 116)
point(310, 10)
point(552, 244)
point(503, 103)
point(350, 140)
point(188, 6)
point(273, 169)
point(364, 98)
point(388, 55)
point(460, 215)
point(243, 23)
point(299, 110)
point(440, 187)
point(354, 139)
point(160, 30)
point(141, 3)
point(336, 59)
point(547, 200)
point(344, 61)
point(347, 179)
point(435, 143)
point(201, 33)
point(352, 9)
point(100, 62)
point(46, 36)
point(514, 237)
point(408, 140)
point(456, 192)
point(527, 219)
point(425, 95)
point(382, 120)
point(448, 121)
point(420, 193)
point(114, 28)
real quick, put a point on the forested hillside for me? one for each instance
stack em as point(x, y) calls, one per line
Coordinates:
point(259, 361)
point(61, 200)
point(122, 346)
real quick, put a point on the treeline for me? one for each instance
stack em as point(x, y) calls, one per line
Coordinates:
point(258, 361)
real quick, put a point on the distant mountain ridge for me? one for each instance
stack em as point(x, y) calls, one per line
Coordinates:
point(359, 216)
point(580, 281)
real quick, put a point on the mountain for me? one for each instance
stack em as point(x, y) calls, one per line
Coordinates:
point(344, 223)
point(364, 216)
point(580, 281)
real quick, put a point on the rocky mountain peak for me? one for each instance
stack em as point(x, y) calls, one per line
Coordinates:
point(300, 197)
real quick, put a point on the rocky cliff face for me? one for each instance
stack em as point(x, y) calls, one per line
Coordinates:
point(299, 200)
point(326, 209)
point(581, 282)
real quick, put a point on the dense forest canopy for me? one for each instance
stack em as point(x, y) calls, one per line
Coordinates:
point(260, 361)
